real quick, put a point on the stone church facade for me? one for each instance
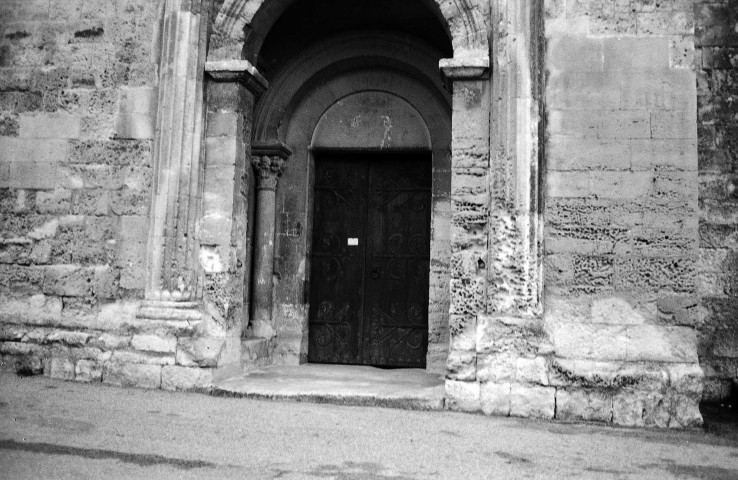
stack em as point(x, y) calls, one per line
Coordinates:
point(536, 199)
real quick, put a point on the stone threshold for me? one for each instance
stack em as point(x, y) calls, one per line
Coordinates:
point(410, 389)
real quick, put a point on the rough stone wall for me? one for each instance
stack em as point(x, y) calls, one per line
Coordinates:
point(716, 63)
point(496, 246)
point(77, 108)
point(621, 211)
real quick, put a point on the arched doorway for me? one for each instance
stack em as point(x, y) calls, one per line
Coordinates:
point(369, 103)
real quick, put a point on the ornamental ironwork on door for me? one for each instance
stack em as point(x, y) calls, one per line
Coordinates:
point(370, 259)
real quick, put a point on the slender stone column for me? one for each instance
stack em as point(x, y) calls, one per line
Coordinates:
point(269, 161)
point(173, 266)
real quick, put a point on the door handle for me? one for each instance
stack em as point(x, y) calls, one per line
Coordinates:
point(375, 273)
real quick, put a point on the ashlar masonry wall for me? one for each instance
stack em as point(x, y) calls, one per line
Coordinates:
point(78, 104)
point(621, 235)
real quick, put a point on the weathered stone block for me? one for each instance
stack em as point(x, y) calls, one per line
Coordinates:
point(640, 408)
point(532, 401)
point(462, 396)
point(68, 281)
point(463, 332)
point(726, 343)
point(583, 90)
point(199, 352)
point(72, 339)
point(105, 282)
point(686, 379)
point(559, 269)
point(665, 23)
point(110, 341)
point(575, 53)
point(148, 358)
point(55, 202)
point(661, 344)
point(496, 367)
point(132, 375)
point(88, 371)
point(635, 54)
point(216, 229)
point(661, 90)
point(678, 154)
point(32, 175)
point(467, 296)
point(685, 411)
point(674, 124)
point(221, 152)
point(185, 378)
point(495, 398)
point(531, 370)
point(135, 126)
point(134, 228)
point(21, 364)
point(461, 365)
point(49, 125)
point(589, 341)
point(255, 351)
point(17, 348)
point(223, 124)
point(615, 185)
point(12, 333)
point(626, 124)
point(61, 368)
point(616, 311)
point(154, 343)
point(577, 153)
point(578, 405)
point(575, 123)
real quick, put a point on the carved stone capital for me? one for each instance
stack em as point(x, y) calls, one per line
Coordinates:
point(268, 169)
point(269, 159)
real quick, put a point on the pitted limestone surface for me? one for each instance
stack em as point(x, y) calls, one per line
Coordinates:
point(717, 74)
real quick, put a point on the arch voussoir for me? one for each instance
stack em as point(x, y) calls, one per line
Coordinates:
point(467, 22)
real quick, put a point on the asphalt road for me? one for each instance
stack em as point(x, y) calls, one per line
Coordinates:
point(54, 429)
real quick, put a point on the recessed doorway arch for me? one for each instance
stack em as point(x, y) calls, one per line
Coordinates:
point(377, 80)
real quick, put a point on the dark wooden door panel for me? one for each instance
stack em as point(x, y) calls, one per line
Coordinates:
point(369, 296)
point(335, 328)
point(397, 256)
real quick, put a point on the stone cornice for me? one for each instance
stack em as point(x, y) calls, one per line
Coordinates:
point(241, 71)
point(468, 67)
point(272, 148)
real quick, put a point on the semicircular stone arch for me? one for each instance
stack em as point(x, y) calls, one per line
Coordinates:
point(320, 62)
point(240, 26)
point(395, 95)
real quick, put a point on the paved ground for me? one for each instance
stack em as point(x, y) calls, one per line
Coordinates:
point(53, 429)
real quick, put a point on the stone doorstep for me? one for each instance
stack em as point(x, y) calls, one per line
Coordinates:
point(411, 389)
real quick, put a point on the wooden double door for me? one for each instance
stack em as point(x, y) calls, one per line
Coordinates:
point(370, 259)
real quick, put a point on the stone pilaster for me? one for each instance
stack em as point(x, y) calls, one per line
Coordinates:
point(173, 268)
point(269, 161)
